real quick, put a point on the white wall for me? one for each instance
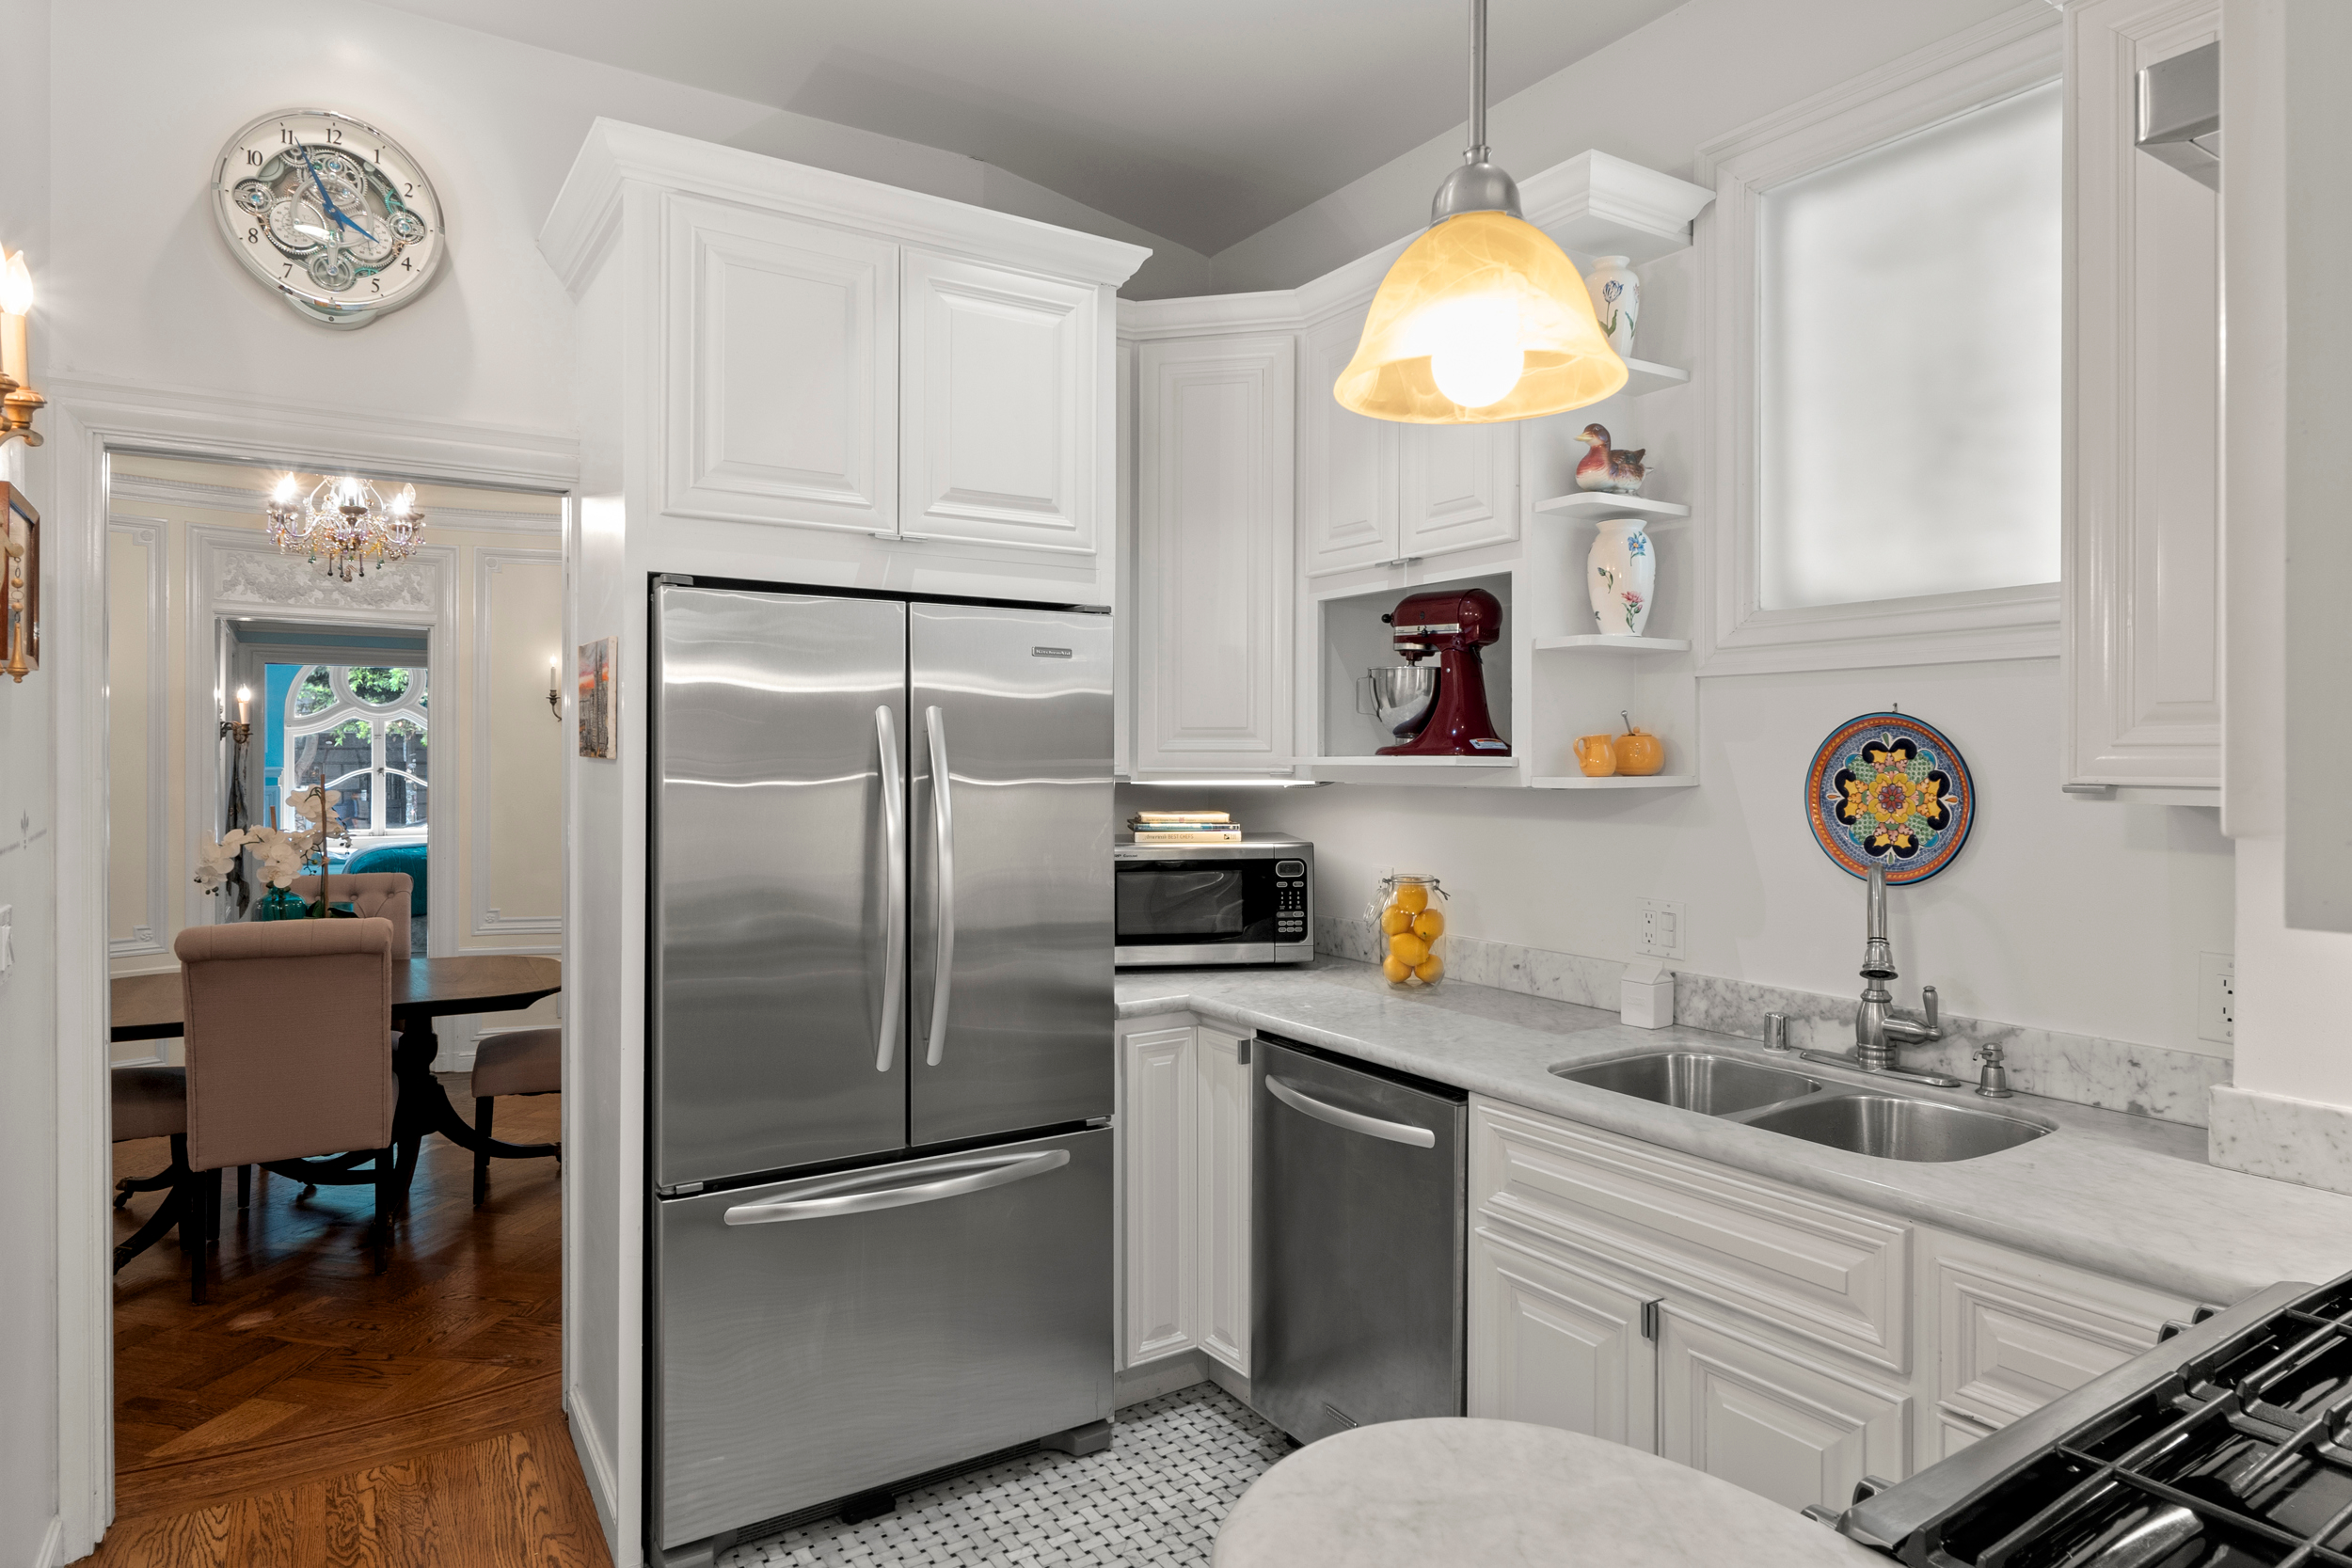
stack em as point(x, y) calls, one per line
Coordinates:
point(1702, 69)
point(29, 1432)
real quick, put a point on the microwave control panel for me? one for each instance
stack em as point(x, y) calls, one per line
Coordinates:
point(1290, 902)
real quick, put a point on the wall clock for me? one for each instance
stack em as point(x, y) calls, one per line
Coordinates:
point(331, 213)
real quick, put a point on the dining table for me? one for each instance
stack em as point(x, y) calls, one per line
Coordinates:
point(151, 1007)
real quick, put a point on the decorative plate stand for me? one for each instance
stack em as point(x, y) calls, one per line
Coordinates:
point(1891, 791)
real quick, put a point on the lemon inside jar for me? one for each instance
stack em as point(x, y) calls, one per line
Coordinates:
point(1411, 929)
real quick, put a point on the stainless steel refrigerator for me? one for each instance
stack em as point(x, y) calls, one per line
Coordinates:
point(880, 1044)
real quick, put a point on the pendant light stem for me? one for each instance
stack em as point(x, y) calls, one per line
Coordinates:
point(1477, 153)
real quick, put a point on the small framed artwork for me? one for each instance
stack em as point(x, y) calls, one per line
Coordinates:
point(20, 583)
point(599, 714)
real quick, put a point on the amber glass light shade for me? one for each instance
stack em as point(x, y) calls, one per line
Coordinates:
point(1454, 310)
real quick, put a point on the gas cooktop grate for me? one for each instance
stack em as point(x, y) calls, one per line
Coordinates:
point(2242, 1458)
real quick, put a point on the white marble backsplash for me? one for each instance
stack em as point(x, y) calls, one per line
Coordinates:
point(2286, 1139)
point(2085, 1069)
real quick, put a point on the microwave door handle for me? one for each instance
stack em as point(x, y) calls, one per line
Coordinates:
point(1354, 1121)
point(893, 810)
point(991, 1173)
point(944, 830)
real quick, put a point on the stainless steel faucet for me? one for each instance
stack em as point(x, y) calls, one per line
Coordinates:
point(1879, 1031)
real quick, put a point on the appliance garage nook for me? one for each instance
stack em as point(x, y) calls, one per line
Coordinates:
point(1267, 824)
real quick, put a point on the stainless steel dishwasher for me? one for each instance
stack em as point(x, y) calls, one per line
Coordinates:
point(1357, 1313)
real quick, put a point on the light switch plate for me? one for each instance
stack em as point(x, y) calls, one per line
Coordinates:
point(1661, 932)
point(2216, 997)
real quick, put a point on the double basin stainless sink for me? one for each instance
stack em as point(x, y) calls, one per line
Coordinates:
point(1837, 1115)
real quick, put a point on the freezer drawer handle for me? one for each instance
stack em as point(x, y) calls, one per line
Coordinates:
point(1355, 1122)
point(943, 826)
point(894, 804)
point(972, 1177)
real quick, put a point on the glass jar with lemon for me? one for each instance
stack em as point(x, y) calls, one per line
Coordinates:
point(1412, 930)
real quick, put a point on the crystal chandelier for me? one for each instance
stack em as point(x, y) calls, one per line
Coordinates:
point(345, 524)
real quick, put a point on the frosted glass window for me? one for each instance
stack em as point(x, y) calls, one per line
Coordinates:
point(1908, 385)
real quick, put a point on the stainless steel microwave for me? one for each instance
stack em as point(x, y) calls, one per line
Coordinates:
point(1246, 903)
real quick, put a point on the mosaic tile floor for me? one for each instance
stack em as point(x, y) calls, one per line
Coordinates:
point(1175, 1466)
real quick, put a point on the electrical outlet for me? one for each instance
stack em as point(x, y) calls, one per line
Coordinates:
point(1660, 936)
point(2216, 997)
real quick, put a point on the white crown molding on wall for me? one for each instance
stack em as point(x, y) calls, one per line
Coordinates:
point(148, 533)
point(486, 919)
point(156, 491)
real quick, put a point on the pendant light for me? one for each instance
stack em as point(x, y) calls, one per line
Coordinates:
point(1482, 318)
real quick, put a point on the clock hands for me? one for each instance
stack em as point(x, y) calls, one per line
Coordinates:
point(327, 202)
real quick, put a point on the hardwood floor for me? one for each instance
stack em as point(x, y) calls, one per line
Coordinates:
point(314, 1414)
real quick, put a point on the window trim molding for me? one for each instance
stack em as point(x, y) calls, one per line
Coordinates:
point(2016, 51)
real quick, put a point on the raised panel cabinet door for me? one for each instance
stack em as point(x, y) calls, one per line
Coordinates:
point(997, 407)
point(1457, 486)
point(1214, 515)
point(1794, 1431)
point(782, 379)
point(1556, 1346)
point(2142, 648)
point(1348, 462)
point(1163, 1085)
point(1222, 1272)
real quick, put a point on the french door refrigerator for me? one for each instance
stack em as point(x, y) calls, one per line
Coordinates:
point(880, 1044)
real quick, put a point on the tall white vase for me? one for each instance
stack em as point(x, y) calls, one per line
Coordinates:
point(1616, 291)
point(1621, 573)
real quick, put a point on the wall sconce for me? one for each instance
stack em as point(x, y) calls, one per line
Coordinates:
point(555, 692)
point(19, 403)
point(241, 731)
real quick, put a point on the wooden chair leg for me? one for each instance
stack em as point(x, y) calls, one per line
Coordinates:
point(212, 1205)
point(387, 1194)
point(482, 1112)
point(245, 1186)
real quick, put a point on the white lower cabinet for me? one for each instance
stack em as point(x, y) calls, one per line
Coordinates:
point(1556, 1346)
point(1778, 1422)
point(1767, 1336)
point(1183, 1134)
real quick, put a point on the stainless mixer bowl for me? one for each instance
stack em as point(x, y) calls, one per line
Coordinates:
point(1400, 695)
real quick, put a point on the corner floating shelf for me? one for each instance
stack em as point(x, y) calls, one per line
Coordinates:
point(1414, 762)
point(1589, 506)
point(1618, 781)
point(1630, 644)
point(1648, 375)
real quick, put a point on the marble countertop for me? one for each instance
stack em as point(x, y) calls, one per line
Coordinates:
point(2121, 1194)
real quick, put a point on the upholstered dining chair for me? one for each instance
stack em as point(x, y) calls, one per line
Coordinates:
point(290, 1046)
point(513, 1061)
point(378, 894)
point(152, 1102)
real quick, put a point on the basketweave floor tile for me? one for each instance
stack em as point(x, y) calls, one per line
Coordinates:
point(1175, 1468)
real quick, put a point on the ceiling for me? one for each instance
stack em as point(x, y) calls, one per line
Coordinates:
point(1202, 120)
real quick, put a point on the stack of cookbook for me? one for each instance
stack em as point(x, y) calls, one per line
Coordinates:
point(1184, 826)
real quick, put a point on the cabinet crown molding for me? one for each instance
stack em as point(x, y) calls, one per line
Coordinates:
point(584, 221)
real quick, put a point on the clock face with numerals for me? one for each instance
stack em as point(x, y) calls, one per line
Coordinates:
point(331, 213)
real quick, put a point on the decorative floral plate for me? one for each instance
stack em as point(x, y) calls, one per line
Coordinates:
point(1891, 791)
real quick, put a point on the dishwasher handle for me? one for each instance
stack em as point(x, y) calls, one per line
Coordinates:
point(1353, 1121)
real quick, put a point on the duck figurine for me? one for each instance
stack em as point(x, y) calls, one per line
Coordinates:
point(1616, 473)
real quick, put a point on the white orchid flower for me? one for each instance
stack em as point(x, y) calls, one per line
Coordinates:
point(215, 860)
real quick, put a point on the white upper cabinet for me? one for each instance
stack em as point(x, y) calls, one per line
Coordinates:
point(783, 371)
point(1213, 520)
point(997, 410)
point(1349, 462)
point(1375, 491)
point(2142, 574)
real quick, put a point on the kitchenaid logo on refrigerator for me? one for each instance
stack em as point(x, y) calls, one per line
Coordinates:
point(1048, 653)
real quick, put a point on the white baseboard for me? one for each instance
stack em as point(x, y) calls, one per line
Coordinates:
point(603, 1487)
point(1230, 1380)
point(1162, 1376)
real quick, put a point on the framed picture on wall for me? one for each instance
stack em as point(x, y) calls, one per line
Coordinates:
point(20, 583)
point(599, 727)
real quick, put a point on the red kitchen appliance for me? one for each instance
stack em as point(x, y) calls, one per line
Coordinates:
point(1453, 625)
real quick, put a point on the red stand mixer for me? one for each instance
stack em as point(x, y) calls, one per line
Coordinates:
point(1452, 623)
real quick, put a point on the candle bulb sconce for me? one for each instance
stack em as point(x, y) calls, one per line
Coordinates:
point(555, 691)
point(19, 403)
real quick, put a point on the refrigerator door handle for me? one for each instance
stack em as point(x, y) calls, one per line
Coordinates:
point(894, 804)
point(972, 1176)
point(943, 827)
point(1354, 1121)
